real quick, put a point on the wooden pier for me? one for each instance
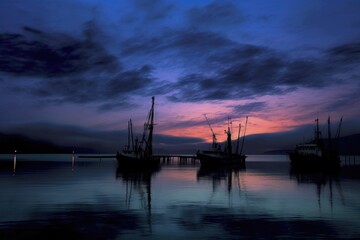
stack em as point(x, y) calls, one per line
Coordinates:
point(347, 160)
point(182, 159)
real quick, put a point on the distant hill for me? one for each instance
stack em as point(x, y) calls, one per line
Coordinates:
point(254, 144)
point(11, 142)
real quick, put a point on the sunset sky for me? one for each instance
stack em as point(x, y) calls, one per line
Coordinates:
point(74, 71)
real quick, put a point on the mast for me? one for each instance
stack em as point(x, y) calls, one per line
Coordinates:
point(242, 144)
point(238, 140)
point(329, 135)
point(131, 136)
point(317, 132)
point(128, 145)
point(228, 143)
point(337, 136)
point(150, 126)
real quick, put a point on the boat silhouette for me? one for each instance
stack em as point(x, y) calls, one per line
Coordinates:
point(140, 153)
point(217, 157)
point(318, 154)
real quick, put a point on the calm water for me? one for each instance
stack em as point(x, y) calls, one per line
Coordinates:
point(58, 197)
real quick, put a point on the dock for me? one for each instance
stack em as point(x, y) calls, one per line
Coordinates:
point(184, 159)
point(169, 158)
point(96, 156)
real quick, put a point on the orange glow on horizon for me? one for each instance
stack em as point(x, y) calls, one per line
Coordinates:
point(255, 126)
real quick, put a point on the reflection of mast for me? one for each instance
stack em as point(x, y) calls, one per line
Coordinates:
point(320, 179)
point(139, 180)
point(218, 175)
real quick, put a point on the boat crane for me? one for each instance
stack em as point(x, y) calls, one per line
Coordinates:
point(214, 145)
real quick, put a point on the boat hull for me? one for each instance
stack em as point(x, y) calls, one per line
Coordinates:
point(133, 161)
point(210, 160)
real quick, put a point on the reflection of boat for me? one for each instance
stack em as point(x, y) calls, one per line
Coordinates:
point(216, 156)
point(320, 179)
point(140, 154)
point(317, 154)
point(138, 180)
point(220, 173)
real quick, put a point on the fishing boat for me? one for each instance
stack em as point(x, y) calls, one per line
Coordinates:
point(217, 157)
point(319, 153)
point(140, 153)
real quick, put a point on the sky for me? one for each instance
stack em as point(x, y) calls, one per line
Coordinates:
point(74, 72)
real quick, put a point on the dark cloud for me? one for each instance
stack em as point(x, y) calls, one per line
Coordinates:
point(349, 99)
point(245, 79)
point(129, 81)
point(215, 14)
point(35, 53)
point(58, 68)
point(251, 71)
point(346, 53)
point(85, 89)
point(118, 105)
point(183, 41)
point(153, 9)
point(244, 109)
point(238, 53)
point(328, 21)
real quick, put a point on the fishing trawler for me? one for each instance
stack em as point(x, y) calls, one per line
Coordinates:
point(218, 157)
point(319, 153)
point(140, 153)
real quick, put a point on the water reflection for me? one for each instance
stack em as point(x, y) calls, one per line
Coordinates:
point(102, 201)
point(73, 161)
point(320, 179)
point(137, 180)
point(219, 174)
point(14, 161)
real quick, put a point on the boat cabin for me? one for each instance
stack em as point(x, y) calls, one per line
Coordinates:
point(308, 149)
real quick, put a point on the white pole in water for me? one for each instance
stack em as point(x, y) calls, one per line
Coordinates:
point(73, 160)
point(14, 160)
